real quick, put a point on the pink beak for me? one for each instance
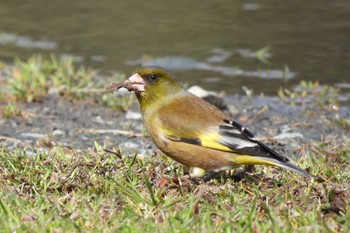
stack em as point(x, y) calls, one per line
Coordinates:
point(137, 83)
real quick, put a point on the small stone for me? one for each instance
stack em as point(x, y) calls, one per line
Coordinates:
point(130, 115)
point(168, 169)
point(30, 153)
point(130, 145)
point(232, 109)
point(140, 156)
point(200, 92)
point(58, 132)
point(54, 92)
point(99, 120)
point(13, 123)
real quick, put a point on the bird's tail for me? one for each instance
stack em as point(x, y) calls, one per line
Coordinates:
point(259, 160)
point(291, 167)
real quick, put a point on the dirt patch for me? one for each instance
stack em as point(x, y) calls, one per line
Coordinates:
point(78, 124)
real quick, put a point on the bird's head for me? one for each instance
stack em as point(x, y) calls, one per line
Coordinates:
point(152, 84)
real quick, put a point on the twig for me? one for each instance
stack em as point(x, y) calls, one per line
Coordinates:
point(89, 90)
point(4, 138)
point(27, 114)
point(114, 131)
point(115, 152)
point(64, 88)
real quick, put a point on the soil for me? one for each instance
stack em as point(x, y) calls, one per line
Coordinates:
point(56, 120)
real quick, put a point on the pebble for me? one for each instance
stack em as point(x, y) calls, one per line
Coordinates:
point(130, 115)
point(99, 120)
point(200, 92)
point(84, 137)
point(29, 153)
point(32, 135)
point(58, 132)
point(130, 145)
point(232, 109)
point(13, 123)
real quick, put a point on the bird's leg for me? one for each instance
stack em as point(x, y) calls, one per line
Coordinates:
point(210, 175)
point(249, 168)
point(240, 174)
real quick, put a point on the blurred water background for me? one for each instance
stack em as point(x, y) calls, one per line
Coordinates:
point(220, 45)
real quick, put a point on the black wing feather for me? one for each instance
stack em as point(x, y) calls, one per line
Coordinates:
point(230, 130)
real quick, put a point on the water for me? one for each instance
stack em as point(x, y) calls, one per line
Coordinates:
point(212, 44)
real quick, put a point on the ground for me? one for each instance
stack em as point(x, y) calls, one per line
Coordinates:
point(74, 163)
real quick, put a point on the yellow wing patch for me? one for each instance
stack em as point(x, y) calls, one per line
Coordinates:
point(207, 140)
point(211, 141)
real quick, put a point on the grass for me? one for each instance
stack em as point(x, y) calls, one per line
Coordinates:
point(34, 79)
point(10, 110)
point(62, 190)
point(263, 54)
point(308, 92)
point(31, 80)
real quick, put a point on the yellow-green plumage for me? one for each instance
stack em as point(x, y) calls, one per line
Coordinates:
point(194, 132)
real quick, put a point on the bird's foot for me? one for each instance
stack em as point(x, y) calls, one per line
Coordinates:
point(211, 175)
point(240, 174)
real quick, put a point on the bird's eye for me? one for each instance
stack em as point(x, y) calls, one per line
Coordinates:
point(153, 77)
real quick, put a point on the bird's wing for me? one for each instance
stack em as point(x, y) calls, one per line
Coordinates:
point(192, 120)
point(242, 141)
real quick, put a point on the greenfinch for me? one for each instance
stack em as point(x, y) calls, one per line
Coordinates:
point(192, 131)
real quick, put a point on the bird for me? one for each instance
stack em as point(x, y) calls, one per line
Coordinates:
point(194, 132)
